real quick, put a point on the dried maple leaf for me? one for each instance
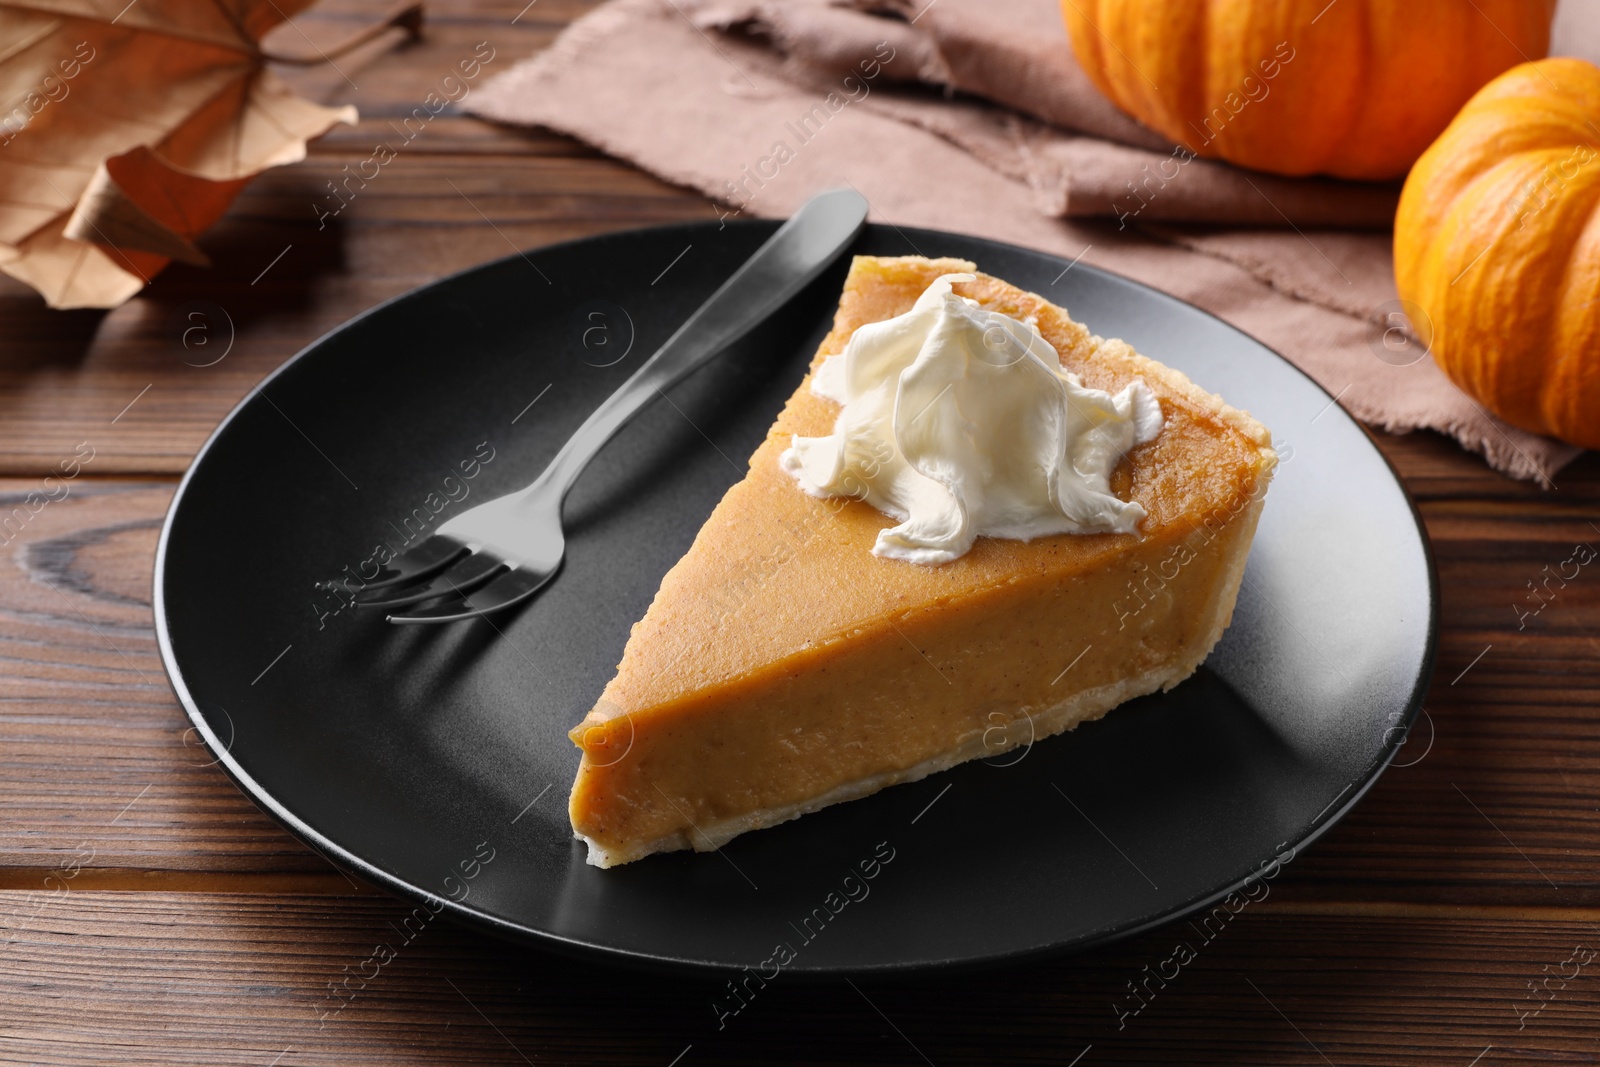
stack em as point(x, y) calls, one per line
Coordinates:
point(130, 129)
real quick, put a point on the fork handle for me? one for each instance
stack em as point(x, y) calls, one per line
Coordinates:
point(799, 251)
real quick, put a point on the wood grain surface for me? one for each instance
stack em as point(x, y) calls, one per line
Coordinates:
point(149, 913)
point(135, 978)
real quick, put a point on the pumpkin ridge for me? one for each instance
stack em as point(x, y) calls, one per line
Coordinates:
point(1339, 145)
point(1497, 238)
point(1090, 46)
point(1202, 47)
point(1517, 272)
point(1388, 54)
point(1178, 68)
point(1574, 344)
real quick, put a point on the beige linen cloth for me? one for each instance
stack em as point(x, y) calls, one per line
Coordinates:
point(973, 116)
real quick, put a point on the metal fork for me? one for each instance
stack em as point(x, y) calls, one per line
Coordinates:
point(502, 552)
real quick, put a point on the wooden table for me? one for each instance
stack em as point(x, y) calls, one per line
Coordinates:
point(152, 914)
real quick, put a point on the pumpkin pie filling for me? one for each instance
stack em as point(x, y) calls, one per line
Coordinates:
point(783, 667)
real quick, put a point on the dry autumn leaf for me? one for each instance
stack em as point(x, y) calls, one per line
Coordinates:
point(130, 129)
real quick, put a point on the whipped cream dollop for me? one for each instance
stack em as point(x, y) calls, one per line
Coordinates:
point(960, 422)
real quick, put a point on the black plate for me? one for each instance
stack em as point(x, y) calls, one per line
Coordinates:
point(435, 761)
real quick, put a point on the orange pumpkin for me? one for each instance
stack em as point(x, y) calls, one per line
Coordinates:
point(1351, 88)
point(1497, 242)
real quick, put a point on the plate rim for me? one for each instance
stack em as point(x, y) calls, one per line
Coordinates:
point(480, 921)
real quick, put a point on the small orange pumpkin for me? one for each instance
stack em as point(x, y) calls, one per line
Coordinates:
point(1351, 88)
point(1497, 242)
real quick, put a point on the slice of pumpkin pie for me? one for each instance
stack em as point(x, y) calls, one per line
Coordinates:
point(972, 514)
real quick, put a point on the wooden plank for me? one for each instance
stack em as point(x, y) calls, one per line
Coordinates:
point(97, 762)
point(138, 380)
point(1504, 806)
point(1498, 784)
point(1434, 467)
point(147, 382)
point(136, 978)
point(327, 883)
point(150, 914)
